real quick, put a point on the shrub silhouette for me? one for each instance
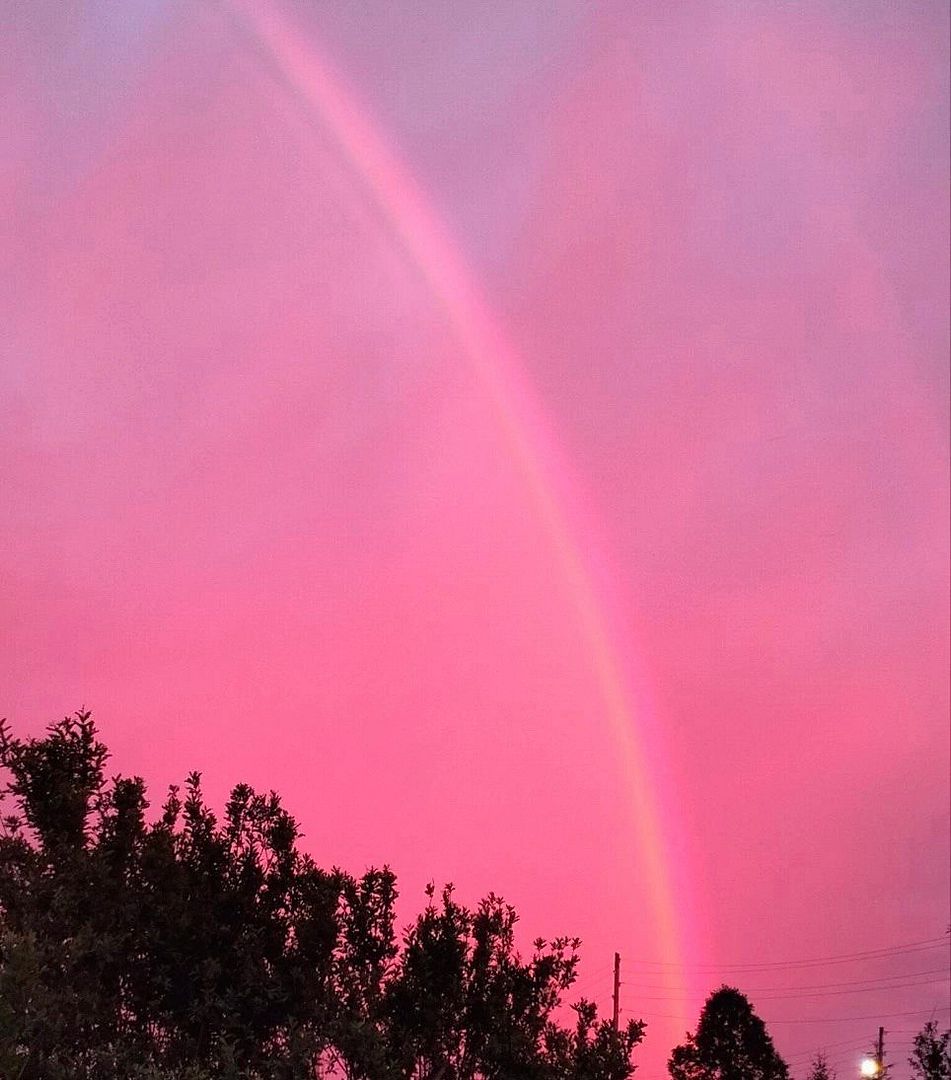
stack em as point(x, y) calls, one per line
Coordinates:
point(192, 947)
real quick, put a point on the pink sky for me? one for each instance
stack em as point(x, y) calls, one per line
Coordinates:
point(264, 516)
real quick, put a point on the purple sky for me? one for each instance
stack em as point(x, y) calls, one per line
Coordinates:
point(263, 518)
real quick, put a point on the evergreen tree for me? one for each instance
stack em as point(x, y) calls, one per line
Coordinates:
point(730, 1043)
point(821, 1070)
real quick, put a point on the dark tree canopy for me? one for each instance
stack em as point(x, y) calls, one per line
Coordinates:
point(180, 945)
point(931, 1057)
point(731, 1043)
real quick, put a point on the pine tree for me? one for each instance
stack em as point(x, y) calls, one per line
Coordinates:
point(821, 1070)
point(730, 1043)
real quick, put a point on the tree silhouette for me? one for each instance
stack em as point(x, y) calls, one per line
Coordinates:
point(931, 1057)
point(463, 1004)
point(192, 947)
point(730, 1043)
point(821, 1070)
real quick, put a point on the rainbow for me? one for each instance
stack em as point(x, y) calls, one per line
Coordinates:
point(427, 245)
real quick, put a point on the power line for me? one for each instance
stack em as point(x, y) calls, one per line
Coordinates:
point(838, 1053)
point(591, 982)
point(840, 1045)
point(809, 994)
point(860, 990)
point(843, 1019)
point(834, 1049)
point(804, 986)
point(846, 1046)
point(822, 1019)
point(841, 958)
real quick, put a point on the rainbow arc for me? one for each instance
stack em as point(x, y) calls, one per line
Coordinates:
point(428, 246)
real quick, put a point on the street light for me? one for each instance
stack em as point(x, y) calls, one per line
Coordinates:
point(869, 1067)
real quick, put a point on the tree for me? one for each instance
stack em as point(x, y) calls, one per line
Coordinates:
point(821, 1070)
point(465, 1005)
point(730, 1043)
point(931, 1057)
point(180, 945)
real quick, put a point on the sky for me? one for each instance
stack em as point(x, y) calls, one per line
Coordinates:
point(518, 433)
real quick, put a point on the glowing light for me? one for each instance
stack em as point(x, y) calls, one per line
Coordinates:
point(869, 1067)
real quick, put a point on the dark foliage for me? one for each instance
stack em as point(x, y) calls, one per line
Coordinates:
point(821, 1069)
point(179, 945)
point(931, 1057)
point(731, 1043)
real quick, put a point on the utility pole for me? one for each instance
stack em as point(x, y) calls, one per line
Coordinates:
point(617, 989)
point(875, 1067)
